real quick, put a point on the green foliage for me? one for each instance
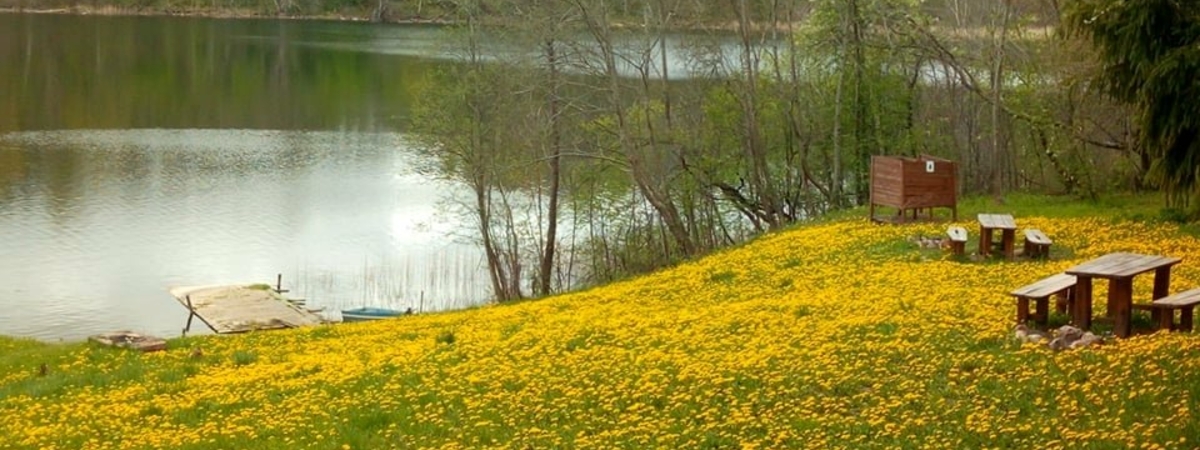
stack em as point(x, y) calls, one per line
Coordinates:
point(1174, 215)
point(244, 357)
point(1150, 50)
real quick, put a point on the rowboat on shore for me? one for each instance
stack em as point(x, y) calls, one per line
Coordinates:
point(371, 313)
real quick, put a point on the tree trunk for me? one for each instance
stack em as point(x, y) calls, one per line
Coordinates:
point(1001, 159)
point(633, 149)
point(753, 147)
point(861, 108)
point(547, 266)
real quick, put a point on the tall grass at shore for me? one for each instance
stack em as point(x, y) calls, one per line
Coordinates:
point(836, 334)
point(443, 281)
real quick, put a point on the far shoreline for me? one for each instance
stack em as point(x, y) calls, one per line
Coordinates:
point(223, 13)
point(363, 18)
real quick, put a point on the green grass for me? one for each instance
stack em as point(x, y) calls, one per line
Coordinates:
point(425, 385)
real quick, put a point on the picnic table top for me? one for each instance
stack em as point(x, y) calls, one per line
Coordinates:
point(1001, 221)
point(1121, 265)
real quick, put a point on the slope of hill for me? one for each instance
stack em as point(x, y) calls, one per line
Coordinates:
point(839, 334)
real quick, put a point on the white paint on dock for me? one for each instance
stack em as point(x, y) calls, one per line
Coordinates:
point(241, 308)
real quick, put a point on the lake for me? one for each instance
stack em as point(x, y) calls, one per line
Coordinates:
point(142, 153)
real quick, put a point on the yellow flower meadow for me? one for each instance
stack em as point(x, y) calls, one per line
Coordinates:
point(837, 335)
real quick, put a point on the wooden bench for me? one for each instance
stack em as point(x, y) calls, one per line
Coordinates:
point(1037, 244)
point(958, 240)
point(1060, 285)
point(1162, 311)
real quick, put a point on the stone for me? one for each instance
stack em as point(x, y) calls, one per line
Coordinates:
point(1070, 333)
point(1087, 340)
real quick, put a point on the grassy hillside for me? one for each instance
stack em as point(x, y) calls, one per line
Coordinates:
point(836, 334)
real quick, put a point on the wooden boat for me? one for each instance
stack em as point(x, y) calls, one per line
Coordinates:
point(371, 313)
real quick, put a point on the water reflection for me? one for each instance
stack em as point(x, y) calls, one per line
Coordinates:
point(81, 72)
point(94, 225)
point(164, 179)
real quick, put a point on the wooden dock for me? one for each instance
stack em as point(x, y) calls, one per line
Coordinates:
point(241, 308)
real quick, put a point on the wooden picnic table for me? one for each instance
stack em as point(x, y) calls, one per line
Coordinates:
point(1119, 269)
point(988, 223)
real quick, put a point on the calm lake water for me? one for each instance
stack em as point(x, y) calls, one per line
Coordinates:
point(142, 153)
point(138, 154)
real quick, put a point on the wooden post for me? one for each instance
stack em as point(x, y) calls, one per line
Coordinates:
point(1008, 236)
point(279, 284)
point(1043, 310)
point(1120, 299)
point(1022, 310)
point(191, 314)
point(1162, 282)
point(1064, 299)
point(1082, 313)
point(1164, 318)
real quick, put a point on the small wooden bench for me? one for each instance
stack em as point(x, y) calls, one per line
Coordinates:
point(1037, 244)
point(1060, 285)
point(1162, 311)
point(958, 239)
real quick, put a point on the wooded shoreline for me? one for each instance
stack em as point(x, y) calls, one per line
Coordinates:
point(358, 16)
point(213, 13)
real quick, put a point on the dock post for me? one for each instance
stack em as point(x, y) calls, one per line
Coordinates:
point(279, 284)
point(191, 314)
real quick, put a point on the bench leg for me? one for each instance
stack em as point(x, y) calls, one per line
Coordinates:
point(1081, 315)
point(1008, 239)
point(1022, 310)
point(1036, 251)
point(1120, 294)
point(1063, 303)
point(1185, 318)
point(1166, 319)
point(1043, 311)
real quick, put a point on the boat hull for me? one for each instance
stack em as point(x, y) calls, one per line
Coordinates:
point(367, 314)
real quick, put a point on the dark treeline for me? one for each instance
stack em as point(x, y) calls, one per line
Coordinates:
point(588, 165)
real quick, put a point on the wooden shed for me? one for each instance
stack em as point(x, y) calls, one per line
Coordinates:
point(913, 186)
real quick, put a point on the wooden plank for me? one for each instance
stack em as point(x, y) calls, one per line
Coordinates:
point(129, 339)
point(1046, 286)
point(887, 181)
point(1189, 297)
point(1118, 263)
point(997, 221)
point(1037, 237)
point(239, 308)
point(893, 199)
point(1122, 265)
point(959, 234)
